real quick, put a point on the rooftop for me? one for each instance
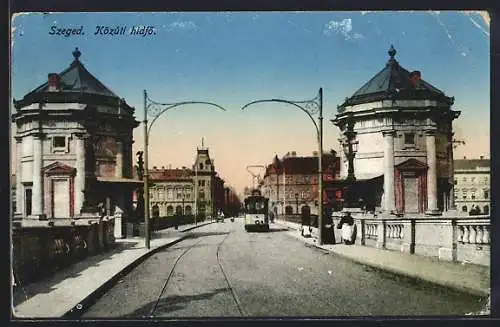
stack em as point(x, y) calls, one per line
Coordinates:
point(305, 165)
point(75, 79)
point(471, 164)
point(394, 82)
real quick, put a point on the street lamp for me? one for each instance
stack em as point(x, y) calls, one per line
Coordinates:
point(297, 203)
point(155, 110)
point(350, 147)
point(310, 107)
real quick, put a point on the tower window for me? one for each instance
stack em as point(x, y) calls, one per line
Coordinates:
point(59, 142)
point(409, 138)
point(201, 165)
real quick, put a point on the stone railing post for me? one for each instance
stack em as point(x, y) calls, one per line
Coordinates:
point(362, 232)
point(408, 245)
point(448, 250)
point(381, 226)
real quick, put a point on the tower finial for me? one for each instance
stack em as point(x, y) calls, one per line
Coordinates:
point(392, 51)
point(77, 54)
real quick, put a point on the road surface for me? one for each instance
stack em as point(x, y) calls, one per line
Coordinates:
point(223, 271)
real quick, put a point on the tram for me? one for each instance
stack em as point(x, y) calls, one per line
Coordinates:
point(256, 212)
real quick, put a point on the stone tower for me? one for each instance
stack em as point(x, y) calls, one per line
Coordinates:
point(203, 177)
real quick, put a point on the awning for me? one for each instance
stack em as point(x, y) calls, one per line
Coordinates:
point(121, 180)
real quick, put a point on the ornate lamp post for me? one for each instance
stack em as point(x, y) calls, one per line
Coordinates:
point(310, 107)
point(350, 147)
point(154, 110)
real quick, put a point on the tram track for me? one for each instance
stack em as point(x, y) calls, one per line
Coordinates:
point(234, 296)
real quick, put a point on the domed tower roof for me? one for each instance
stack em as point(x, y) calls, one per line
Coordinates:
point(394, 82)
point(72, 82)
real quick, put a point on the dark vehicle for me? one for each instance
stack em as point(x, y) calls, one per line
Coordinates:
point(256, 212)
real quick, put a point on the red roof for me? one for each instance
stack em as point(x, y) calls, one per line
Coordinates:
point(305, 165)
point(163, 175)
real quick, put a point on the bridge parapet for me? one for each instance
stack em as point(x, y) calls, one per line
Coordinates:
point(452, 238)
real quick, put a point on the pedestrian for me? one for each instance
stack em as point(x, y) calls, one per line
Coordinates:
point(346, 224)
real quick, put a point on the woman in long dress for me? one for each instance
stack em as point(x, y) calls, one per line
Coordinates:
point(346, 224)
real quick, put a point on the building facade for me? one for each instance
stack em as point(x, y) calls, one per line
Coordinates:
point(292, 186)
point(74, 148)
point(472, 185)
point(402, 127)
point(196, 191)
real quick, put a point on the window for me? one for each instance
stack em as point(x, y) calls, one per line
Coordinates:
point(28, 201)
point(201, 166)
point(473, 179)
point(170, 194)
point(486, 194)
point(464, 179)
point(455, 181)
point(201, 183)
point(409, 138)
point(486, 210)
point(59, 141)
point(464, 194)
point(201, 195)
point(464, 208)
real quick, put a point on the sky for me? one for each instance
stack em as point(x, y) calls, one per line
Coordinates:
point(232, 58)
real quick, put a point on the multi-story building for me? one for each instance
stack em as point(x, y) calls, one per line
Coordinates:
point(185, 191)
point(74, 148)
point(292, 184)
point(402, 128)
point(472, 185)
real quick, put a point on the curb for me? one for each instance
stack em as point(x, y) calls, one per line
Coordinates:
point(89, 300)
point(198, 226)
point(456, 287)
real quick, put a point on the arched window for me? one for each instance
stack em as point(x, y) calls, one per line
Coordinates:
point(464, 208)
point(288, 210)
point(188, 210)
point(170, 211)
point(201, 166)
point(156, 211)
point(486, 210)
point(178, 210)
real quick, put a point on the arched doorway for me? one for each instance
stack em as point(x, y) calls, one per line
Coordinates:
point(188, 210)
point(288, 210)
point(156, 211)
point(170, 211)
point(178, 210)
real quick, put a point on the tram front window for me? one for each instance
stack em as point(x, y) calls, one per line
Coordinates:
point(256, 207)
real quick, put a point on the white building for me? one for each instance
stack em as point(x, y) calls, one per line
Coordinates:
point(403, 129)
point(74, 148)
point(472, 184)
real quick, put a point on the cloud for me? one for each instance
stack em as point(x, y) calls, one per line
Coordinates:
point(343, 28)
point(182, 25)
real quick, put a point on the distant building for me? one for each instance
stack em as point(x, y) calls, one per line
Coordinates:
point(402, 127)
point(297, 182)
point(472, 185)
point(74, 148)
point(184, 191)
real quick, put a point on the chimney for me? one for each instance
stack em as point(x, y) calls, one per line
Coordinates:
point(315, 153)
point(415, 77)
point(54, 82)
point(465, 157)
point(163, 167)
point(294, 154)
point(481, 157)
point(154, 167)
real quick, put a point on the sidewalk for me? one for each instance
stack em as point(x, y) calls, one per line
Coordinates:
point(469, 278)
point(74, 287)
